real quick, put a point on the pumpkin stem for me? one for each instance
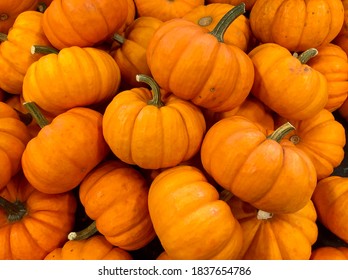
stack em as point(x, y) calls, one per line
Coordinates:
point(43, 50)
point(41, 7)
point(263, 215)
point(3, 17)
point(35, 112)
point(156, 91)
point(225, 195)
point(118, 38)
point(15, 210)
point(25, 118)
point(295, 139)
point(281, 131)
point(306, 55)
point(226, 21)
point(83, 234)
point(3, 37)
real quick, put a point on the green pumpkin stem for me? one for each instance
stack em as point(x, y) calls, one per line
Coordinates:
point(3, 37)
point(118, 38)
point(41, 7)
point(83, 234)
point(25, 118)
point(225, 195)
point(35, 112)
point(226, 21)
point(281, 131)
point(306, 55)
point(15, 210)
point(156, 91)
point(43, 50)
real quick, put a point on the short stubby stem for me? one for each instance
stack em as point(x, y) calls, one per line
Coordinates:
point(15, 210)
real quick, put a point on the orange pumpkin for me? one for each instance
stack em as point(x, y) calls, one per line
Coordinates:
point(330, 253)
point(342, 38)
point(165, 10)
point(286, 84)
point(190, 220)
point(270, 236)
point(71, 78)
point(9, 11)
point(207, 16)
point(65, 150)
point(114, 195)
point(15, 56)
point(93, 248)
point(331, 199)
point(14, 137)
point(236, 152)
point(322, 138)
point(83, 23)
point(196, 65)
point(32, 223)
point(248, 3)
point(131, 55)
point(297, 25)
point(144, 130)
point(332, 62)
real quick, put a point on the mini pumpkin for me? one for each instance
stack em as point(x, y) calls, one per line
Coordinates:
point(32, 223)
point(342, 38)
point(236, 151)
point(248, 3)
point(190, 220)
point(196, 65)
point(286, 84)
point(93, 248)
point(297, 25)
point(143, 129)
point(330, 253)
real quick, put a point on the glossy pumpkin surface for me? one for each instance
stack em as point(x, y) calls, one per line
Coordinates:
point(330, 253)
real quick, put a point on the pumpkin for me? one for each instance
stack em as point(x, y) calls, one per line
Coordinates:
point(332, 62)
point(15, 56)
point(32, 223)
point(114, 195)
point(196, 65)
point(270, 174)
point(165, 10)
point(9, 11)
point(143, 130)
point(322, 138)
point(297, 25)
point(131, 55)
point(330, 253)
point(14, 137)
point(270, 236)
point(286, 84)
point(342, 38)
point(190, 220)
point(207, 16)
point(83, 23)
point(65, 150)
point(331, 199)
point(131, 16)
point(93, 248)
point(73, 77)
point(248, 3)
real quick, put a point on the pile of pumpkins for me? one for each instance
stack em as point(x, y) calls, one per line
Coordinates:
point(209, 126)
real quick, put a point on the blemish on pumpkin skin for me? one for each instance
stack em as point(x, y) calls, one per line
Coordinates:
point(212, 89)
point(3, 17)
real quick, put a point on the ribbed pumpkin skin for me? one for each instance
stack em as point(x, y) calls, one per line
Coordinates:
point(83, 23)
point(270, 239)
point(236, 152)
point(115, 196)
point(331, 199)
point(248, 3)
point(189, 219)
point(192, 64)
point(152, 137)
point(322, 138)
point(297, 25)
point(332, 62)
point(65, 151)
point(279, 77)
point(9, 11)
point(166, 10)
point(74, 77)
point(48, 221)
point(93, 248)
point(14, 136)
point(342, 38)
point(207, 16)
point(330, 253)
point(15, 56)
